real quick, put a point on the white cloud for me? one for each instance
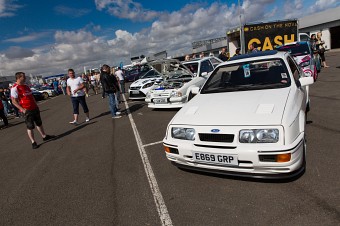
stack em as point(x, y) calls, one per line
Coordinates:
point(71, 12)
point(172, 31)
point(28, 38)
point(127, 9)
point(8, 8)
point(321, 5)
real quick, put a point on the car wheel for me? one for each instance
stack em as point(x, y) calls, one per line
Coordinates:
point(45, 95)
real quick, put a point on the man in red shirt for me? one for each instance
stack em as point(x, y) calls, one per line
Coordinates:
point(23, 99)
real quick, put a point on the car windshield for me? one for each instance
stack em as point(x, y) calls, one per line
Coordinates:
point(296, 49)
point(193, 67)
point(252, 75)
point(151, 74)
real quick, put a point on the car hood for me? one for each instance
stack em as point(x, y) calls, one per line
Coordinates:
point(260, 107)
point(141, 82)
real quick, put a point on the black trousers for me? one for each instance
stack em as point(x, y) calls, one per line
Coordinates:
point(3, 116)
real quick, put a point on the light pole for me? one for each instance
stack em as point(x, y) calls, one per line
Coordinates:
point(241, 29)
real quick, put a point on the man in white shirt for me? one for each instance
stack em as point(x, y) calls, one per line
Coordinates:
point(75, 89)
point(120, 74)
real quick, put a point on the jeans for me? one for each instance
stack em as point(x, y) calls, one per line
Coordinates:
point(75, 103)
point(64, 90)
point(6, 107)
point(122, 86)
point(112, 103)
point(3, 116)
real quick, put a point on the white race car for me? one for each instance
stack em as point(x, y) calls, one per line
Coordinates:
point(247, 120)
point(175, 90)
point(139, 88)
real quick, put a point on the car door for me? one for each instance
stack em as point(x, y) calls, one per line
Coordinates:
point(300, 93)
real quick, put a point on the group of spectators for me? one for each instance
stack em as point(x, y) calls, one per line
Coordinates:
point(22, 99)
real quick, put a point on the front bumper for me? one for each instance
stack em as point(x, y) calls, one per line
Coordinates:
point(133, 95)
point(249, 164)
point(171, 102)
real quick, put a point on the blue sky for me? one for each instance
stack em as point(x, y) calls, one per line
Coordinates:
point(48, 36)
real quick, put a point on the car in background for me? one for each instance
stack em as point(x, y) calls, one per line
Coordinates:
point(46, 91)
point(201, 65)
point(247, 120)
point(135, 72)
point(139, 88)
point(37, 95)
point(304, 56)
point(174, 92)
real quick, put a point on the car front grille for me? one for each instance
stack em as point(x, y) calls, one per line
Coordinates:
point(209, 137)
point(135, 88)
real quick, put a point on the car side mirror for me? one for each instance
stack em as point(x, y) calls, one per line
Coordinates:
point(204, 74)
point(195, 90)
point(305, 81)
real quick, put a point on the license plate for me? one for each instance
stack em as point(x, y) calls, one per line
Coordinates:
point(160, 101)
point(135, 91)
point(216, 159)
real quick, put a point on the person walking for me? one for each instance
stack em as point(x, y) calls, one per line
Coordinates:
point(4, 101)
point(109, 85)
point(75, 89)
point(2, 114)
point(63, 85)
point(119, 73)
point(23, 99)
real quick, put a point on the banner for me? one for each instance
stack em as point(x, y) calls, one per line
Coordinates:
point(268, 35)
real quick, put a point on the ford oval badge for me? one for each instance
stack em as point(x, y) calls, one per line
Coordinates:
point(215, 130)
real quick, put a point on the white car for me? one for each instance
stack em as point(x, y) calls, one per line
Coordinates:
point(247, 120)
point(139, 88)
point(176, 90)
point(45, 91)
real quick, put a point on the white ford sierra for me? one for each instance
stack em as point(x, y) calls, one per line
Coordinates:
point(247, 120)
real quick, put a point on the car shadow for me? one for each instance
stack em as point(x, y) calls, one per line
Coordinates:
point(133, 108)
point(166, 109)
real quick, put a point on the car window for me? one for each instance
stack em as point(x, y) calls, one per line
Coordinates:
point(252, 75)
point(296, 49)
point(206, 66)
point(294, 68)
point(214, 62)
point(193, 67)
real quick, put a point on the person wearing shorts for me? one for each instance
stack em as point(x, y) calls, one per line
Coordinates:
point(75, 89)
point(23, 99)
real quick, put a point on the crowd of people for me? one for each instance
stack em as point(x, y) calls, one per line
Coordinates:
point(20, 97)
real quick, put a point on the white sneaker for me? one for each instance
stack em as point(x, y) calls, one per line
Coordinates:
point(87, 120)
point(117, 116)
point(74, 122)
point(118, 113)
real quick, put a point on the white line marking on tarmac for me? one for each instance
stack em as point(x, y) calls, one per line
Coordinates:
point(157, 195)
point(158, 142)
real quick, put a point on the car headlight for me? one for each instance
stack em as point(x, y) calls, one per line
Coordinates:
point(304, 64)
point(183, 133)
point(259, 136)
point(148, 85)
point(176, 94)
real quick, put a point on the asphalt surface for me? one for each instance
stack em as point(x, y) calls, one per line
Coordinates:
point(97, 173)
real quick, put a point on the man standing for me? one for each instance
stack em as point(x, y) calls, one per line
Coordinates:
point(23, 99)
point(75, 89)
point(119, 73)
point(253, 48)
point(223, 55)
point(109, 83)
point(63, 85)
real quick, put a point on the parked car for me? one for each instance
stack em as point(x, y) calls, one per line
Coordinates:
point(46, 91)
point(304, 56)
point(139, 88)
point(168, 95)
point(247, 120)
point(135, 72)
point(37, 95)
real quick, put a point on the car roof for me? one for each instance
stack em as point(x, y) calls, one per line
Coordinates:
point(262, 55)
point(199, 59)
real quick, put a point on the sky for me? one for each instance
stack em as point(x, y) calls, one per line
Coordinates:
point(46, 37)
